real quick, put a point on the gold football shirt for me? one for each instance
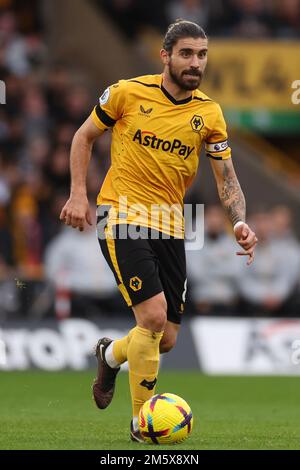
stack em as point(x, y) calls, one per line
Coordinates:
point(156, 143)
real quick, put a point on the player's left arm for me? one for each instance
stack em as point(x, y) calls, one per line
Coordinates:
point(233, 201)
point(230, 193)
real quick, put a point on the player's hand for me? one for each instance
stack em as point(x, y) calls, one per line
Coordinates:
point(76, 212)
point(246, 238)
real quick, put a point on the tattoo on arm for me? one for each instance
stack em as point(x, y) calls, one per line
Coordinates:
point(231, 196)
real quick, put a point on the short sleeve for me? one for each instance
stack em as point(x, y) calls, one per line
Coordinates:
point(111, 105)
point(216, 144)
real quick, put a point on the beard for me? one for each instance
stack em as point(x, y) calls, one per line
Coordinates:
point(186, 80)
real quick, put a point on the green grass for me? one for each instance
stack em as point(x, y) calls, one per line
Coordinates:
point(40, 410)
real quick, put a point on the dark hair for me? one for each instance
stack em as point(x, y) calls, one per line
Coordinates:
point(181, 29)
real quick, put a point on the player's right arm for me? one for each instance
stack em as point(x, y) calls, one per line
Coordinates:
point(76, 211)
point(110, 108)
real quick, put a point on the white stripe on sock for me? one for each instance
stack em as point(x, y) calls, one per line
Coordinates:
point(109, 357)
point(135, 423)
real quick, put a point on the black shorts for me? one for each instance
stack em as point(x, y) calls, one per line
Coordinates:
point(146, 266)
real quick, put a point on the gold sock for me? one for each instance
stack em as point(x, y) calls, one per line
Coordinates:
point(120, 347)
point(143, 362)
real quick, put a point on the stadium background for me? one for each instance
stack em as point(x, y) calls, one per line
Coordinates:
point(56, 294)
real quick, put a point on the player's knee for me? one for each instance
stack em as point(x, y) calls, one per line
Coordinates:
point(167, 343)
point(154, 314)
point(157, 319)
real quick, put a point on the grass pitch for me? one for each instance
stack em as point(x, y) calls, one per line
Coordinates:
point(40, 410)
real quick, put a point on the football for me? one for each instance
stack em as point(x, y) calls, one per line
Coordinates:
point(165, 419)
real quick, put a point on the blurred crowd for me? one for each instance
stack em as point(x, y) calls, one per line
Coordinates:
point(222, 283)
point(225, 18)
point(44, 108)
point(45, 267)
